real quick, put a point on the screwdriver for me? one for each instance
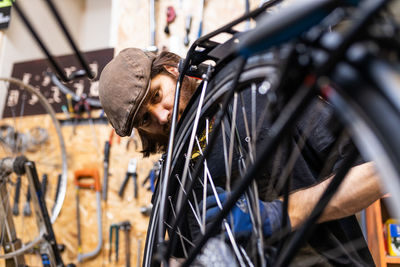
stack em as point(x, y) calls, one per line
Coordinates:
point(187, 27)
point(106, 163)
point(171, 15)
point(27, 206)
point(16, 196)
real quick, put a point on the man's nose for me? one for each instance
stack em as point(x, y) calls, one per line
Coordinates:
point(160, 113)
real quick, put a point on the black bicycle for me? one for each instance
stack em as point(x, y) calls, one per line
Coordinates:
point(256, 117)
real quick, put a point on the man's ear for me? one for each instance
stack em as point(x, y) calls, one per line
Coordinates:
point(173, 70)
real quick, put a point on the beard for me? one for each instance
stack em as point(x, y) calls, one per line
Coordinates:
point(189, 85)
point(157, 143)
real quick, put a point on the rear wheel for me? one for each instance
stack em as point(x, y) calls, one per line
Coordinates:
point(313, 147)
point(39, 139)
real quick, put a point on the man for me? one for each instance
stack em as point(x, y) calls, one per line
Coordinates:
point(137, 91)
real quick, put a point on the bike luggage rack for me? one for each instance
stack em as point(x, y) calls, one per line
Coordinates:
point(206, 49)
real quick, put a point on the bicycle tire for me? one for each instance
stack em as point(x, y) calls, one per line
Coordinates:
point(257, 68)
point(58, 165)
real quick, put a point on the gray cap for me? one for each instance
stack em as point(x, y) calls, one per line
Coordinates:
point(123, 86)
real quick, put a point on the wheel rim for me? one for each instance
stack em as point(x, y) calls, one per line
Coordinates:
point(46, 149)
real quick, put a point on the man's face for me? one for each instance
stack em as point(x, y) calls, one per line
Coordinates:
point(155, 115)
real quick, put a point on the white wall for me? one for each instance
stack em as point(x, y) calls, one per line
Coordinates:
point(95, 32)
point(88, 21)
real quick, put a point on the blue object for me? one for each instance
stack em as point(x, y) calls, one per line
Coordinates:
point(45, 260)
point(239, 218)
point(152, 178)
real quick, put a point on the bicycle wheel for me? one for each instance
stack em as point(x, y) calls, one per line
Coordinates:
point(298, 159)
point(39, 139)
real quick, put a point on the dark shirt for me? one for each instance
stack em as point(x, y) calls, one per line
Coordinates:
point(338, 242)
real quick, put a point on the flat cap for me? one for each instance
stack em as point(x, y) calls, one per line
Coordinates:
point(123, 86)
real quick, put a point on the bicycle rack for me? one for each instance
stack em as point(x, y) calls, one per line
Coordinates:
point(206, 49)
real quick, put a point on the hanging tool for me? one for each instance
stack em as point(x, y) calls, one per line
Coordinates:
point(107, 147)
point(27, 206)
point(131, 172)
point(16, 196)
point(66, 112)
point(70, 105)
point(126, 227)
point(114, 228)
point(132, 139)
point(82, 178)
point(43, 184)
point(200, 32)
point(247, 10)
point(146, 210)
point(153, 175)
point(152, 47)
point(81, 106)
point(139, 252)
point(171, 15)
point(106, 163)
point(188, 25)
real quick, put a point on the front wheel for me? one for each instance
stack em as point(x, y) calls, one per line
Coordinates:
point(271, 141)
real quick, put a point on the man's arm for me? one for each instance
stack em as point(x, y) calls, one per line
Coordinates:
point(360, 188)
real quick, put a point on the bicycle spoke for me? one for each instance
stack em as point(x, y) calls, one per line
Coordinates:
point(178, 230)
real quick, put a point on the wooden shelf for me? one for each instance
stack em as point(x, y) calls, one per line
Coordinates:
point(376, 214)
point(392, 259)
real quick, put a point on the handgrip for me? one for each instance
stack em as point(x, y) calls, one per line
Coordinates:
point(82, 179)
point(107, 151)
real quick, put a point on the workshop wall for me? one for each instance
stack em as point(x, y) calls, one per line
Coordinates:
point(88, 21)
point(100, 24)
point(133, 20)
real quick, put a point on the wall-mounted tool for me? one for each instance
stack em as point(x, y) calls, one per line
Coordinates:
point(188, 25)
point(44, 183)
point(200, 31)
point(125, 226)
point(16, 196)
point(88, 179)
point(113, 231)
point(247, 10)
point(131, 172)
point(107, 147)
point(171, 15)
point(27, 205)
point(152, 177)
point(146, 210)
point(106, 163)
point(81, 106)
point(152, 47)
point(139, 252)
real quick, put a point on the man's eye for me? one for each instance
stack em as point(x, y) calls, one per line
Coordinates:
point(156, 97)
point(145, 119)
